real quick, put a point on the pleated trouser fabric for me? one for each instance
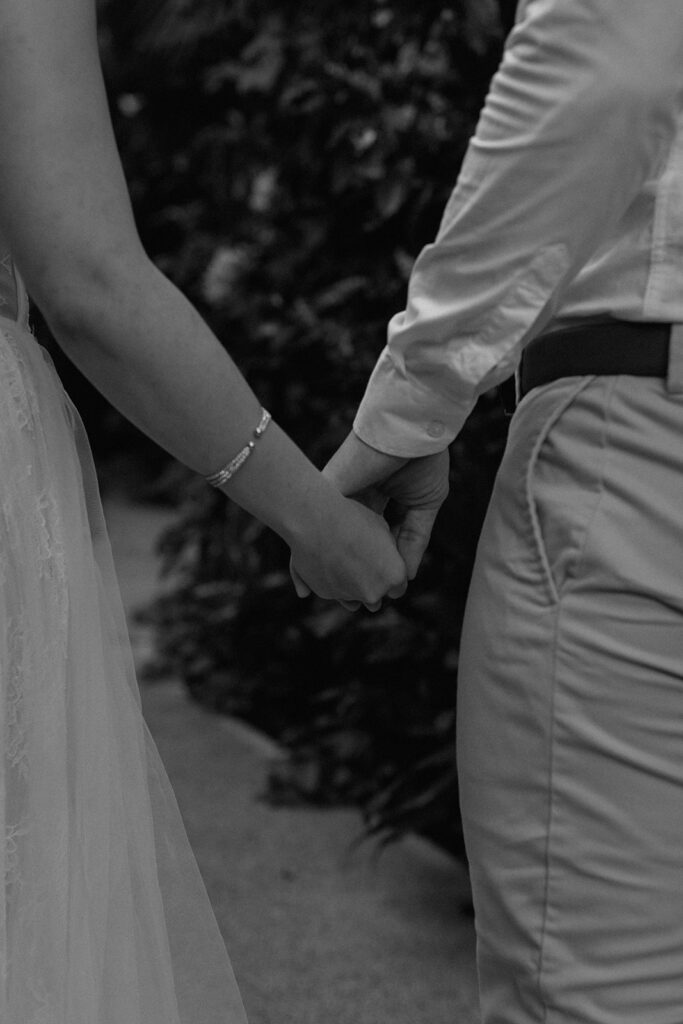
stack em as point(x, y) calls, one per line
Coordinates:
point(570, 710)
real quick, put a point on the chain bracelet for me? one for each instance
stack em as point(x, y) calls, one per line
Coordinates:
point(223, 475)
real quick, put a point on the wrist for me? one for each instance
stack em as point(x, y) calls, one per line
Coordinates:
point(356, 465)
point(312, 516)
point(280, 486)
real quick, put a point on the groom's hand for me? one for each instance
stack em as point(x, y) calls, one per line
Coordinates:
point(418, 487)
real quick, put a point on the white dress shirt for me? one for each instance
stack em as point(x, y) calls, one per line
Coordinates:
point(569, 203)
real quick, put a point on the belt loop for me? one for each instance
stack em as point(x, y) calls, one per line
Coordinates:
point(674, 376)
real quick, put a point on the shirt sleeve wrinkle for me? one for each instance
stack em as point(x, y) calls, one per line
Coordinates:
point(576, 120)
point(457, 370)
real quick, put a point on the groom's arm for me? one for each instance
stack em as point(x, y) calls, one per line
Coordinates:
point(580, 114)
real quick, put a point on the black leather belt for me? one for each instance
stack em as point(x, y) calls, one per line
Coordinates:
point(614, 347)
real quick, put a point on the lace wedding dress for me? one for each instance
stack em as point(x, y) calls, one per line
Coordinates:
point(105, 917)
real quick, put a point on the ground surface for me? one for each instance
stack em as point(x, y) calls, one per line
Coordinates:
point(318, 932)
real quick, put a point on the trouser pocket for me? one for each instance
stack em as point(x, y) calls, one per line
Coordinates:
point(569, 420)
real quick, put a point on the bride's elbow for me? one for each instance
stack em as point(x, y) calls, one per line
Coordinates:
point(83, 293)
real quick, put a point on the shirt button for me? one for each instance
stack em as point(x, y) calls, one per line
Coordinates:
point(436, 428)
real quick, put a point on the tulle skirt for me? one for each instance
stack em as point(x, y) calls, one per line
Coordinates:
point(105, 917)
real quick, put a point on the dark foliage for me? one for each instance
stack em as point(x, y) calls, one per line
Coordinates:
point(287, 161)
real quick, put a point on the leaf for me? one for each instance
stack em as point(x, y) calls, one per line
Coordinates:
point(355, 79)
point(324, 623)
point(262, 60)
point(391, 196)
point(340, 292)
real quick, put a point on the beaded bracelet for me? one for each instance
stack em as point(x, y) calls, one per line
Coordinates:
point(224, 474)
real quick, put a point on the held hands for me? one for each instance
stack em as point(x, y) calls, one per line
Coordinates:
point(417, 487)
point(352, 558)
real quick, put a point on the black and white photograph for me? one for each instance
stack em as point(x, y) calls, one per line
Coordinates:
point(341, 511)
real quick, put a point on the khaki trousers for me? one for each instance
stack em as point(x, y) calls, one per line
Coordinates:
point(570, 709)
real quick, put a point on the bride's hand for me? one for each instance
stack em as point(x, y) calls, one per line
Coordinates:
point(352, 558)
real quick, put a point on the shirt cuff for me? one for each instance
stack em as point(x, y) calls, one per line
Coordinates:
point(400, 417)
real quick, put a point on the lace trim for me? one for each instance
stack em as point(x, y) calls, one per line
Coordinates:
point(32, 542)
point(15, 723)
point(15, 379)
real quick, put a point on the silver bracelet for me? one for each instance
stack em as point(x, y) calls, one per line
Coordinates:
point(224, 474)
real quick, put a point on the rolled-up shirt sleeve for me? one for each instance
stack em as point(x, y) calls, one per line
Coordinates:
point(581, 112)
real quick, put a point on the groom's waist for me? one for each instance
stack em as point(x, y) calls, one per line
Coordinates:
point(591, 349)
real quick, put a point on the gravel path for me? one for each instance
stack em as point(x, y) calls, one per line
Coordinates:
point(318, 933)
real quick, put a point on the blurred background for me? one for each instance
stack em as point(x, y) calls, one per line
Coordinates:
point(286, 162)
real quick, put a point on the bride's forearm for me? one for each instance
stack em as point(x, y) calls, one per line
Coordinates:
point(146, 348)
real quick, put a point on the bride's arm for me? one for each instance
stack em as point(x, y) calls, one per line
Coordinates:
point(66, 213)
